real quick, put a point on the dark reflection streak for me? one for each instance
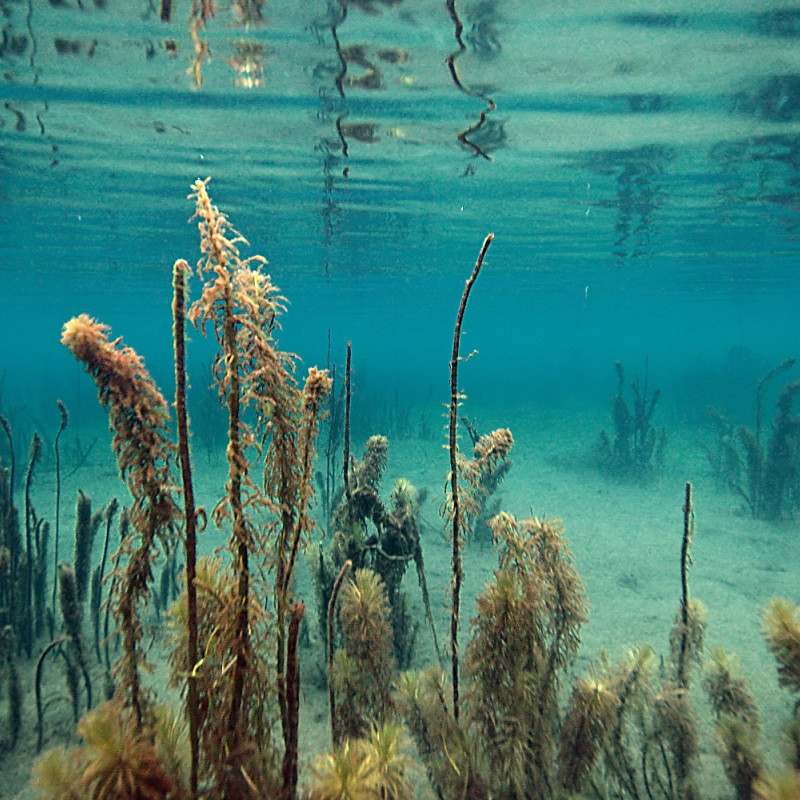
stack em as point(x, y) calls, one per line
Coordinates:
point(166, 10)
point(340, 75)
point(29, 25)
point(340, 133)
point(339, 79)
point(39, 120)
point(463, 137)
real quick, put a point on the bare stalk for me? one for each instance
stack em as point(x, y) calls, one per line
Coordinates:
point(458, 574)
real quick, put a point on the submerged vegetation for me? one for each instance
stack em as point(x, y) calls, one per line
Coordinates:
point(637, 448)
point(511, 716)
point(765, 473)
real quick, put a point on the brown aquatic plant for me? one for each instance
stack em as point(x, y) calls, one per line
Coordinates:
point(138, 417)
point(242, 307)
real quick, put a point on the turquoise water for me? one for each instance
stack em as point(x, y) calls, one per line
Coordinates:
point(640, 170)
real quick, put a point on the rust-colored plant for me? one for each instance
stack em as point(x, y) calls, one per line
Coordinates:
point(138, 417)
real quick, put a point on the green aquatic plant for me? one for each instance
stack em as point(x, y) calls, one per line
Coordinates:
point(525, 637)
point(780, 626)
point(588, 719)
point(70, 647)
point(116, 760)
point(10, 672)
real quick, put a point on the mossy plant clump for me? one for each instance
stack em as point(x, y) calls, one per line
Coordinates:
point(525, 637)
point(737, 722)
point(117, 760)
point(363, 668)
point(375, 766)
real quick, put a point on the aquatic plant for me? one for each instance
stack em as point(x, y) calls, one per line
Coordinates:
point(242, 307)
point(763, 473)
point(363, 668)
point(99, 574)
point(117, 760)
point(627, 730)
point(70, 647)
point(332, 437)
point(453, 504)
point(86, 526)
point(64, 421)
point(525, 637)
point(138, 416)
point(637, 448)
point(651, 749)
point(216, 618)
point(13, 687)
point(32, 558)
point(23, 550)
point(384, 537)
point(737, 722)
point(375, 766)
point(487, 499)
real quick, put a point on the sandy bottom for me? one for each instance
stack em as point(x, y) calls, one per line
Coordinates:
point(626, 540)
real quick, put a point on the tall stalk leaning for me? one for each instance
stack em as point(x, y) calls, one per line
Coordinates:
point(138, 416)
point(456, 512)
point(179, 272)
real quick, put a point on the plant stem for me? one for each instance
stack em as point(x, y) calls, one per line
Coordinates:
point(346, 458)
point(64, 419)
point(331, 613)
point(180, 269)
point(292, 703)
point(688, 531)
point(456, 510)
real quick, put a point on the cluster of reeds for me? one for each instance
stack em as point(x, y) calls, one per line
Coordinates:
point(25, 614)
point(637, 448)
point(233, 685)
point(24, 543)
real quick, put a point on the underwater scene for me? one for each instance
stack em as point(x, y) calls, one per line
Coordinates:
point(399, 399)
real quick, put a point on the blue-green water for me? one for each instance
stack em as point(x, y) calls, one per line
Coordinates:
point(642, 185)
point(639, 166)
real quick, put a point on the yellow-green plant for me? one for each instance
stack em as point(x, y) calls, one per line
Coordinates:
point(216, 629)
point(117, 759)
point(737, 724)
point(525, 637)
point(376, 767)
point(780, 625)
point(587, 721)
point(363, 669)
